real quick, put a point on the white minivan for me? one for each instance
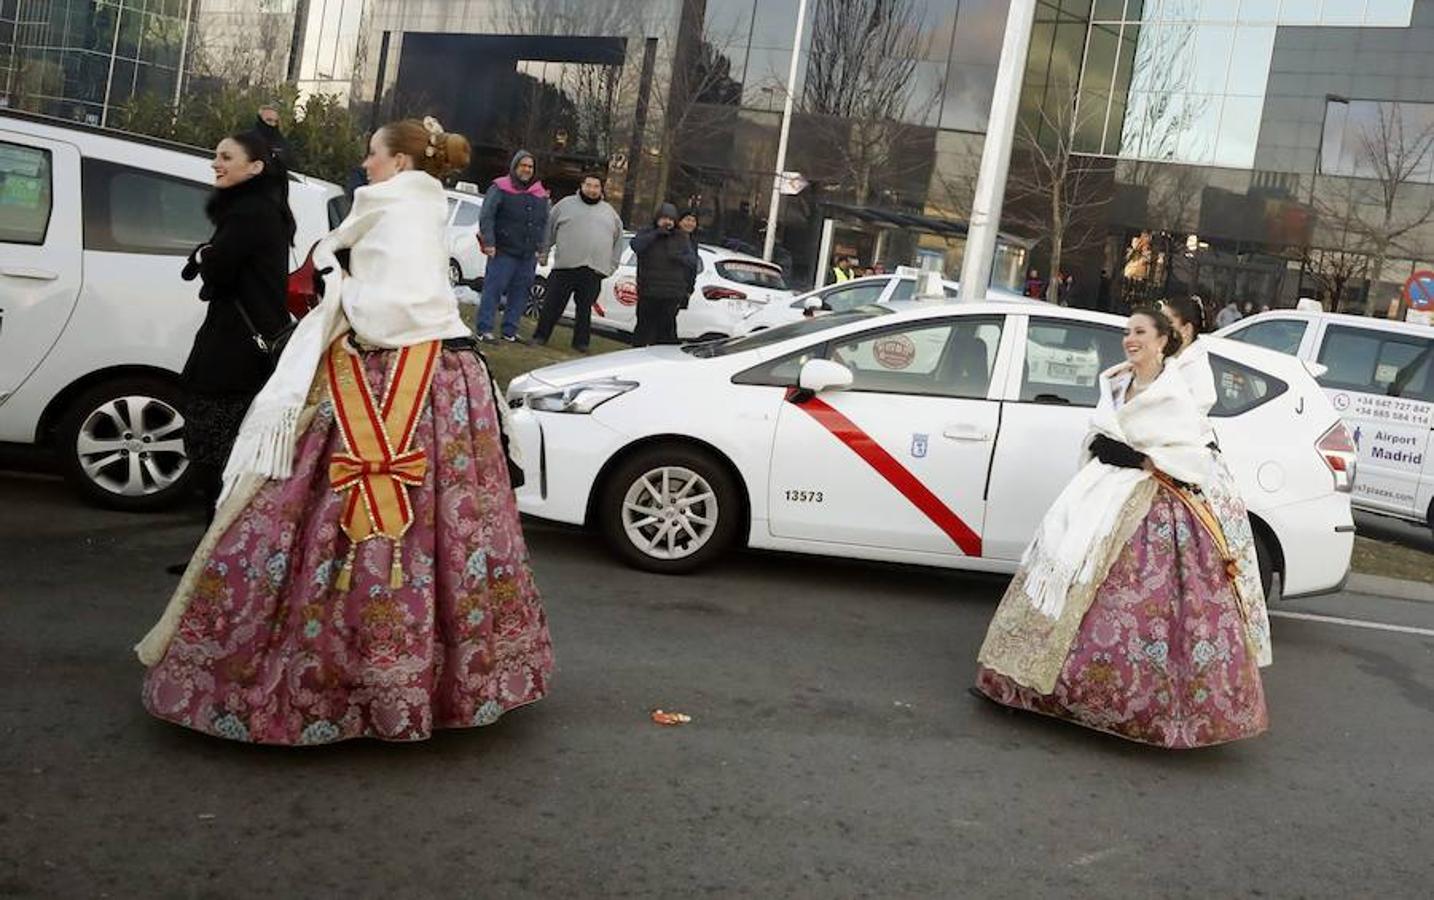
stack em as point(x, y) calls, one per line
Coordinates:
point(95, 322)
point(1379, 375)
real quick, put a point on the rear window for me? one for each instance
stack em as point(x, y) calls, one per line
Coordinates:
point(468, 215)
point(1279, 335)
point(25, 196)
point(1239, 388)
point(129, 210)
point(754, 274)
point(339, 209)
point(1376, 362)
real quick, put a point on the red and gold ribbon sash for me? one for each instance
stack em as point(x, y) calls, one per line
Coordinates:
point(1203, 514)
point(378, 465)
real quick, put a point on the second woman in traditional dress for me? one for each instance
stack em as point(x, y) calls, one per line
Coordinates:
point(1188, 317)
point(366, 574)
point(1125, 616)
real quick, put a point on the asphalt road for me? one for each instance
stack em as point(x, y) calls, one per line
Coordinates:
point(834, 751)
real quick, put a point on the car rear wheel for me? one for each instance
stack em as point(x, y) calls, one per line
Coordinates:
point(536, 294)
point(455, 273)
point(121, 444)
point(670, 509)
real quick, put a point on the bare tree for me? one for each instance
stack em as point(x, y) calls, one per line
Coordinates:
point(1054, 191)
point(861, 93)
point(244, 45)
point(700, 104)
point(1335, 257)
point(1394, 155)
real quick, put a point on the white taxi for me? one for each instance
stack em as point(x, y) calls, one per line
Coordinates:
point(936, 436)
point(730, 287)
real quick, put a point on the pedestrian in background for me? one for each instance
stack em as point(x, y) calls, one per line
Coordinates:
point(842, 270)
point(1229, 314)
point(687, 223)
point(513, 227)
point(243, 271)
point(1103, 300)
point(585, 237)
point(666, 265)
point(269, 125)
point(1035, 287)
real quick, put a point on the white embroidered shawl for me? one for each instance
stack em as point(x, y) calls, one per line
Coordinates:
point(1165, 424)
point(396, 294)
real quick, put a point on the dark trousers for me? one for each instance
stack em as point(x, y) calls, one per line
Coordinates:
point(581, 285)
point(656, 321)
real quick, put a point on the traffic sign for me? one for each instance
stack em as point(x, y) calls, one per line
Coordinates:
point(1419, 290)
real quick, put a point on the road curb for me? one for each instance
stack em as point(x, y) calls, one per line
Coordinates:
point(1398, 588)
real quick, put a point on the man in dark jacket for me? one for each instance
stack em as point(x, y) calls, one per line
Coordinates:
point(513, 227)
point(666, 265)
point(267, 126)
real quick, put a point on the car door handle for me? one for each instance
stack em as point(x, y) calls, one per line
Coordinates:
point(36, 274)
point(963, 432)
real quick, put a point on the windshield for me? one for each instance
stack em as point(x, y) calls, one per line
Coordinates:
point(752, 273)
point(769, 336)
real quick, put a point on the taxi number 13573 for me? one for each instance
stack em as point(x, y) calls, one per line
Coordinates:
point(805, 496)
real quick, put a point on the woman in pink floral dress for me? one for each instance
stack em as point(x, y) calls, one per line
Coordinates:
point(366, 574)
point(1126, 615)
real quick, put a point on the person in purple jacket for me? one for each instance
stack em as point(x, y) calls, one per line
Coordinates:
point(512, 226)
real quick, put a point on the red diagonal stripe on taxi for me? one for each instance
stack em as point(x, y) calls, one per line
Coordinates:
point(888, 467)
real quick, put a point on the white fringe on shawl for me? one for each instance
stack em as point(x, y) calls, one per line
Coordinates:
point(1165, 424)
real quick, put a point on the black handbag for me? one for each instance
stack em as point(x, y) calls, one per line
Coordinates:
point(270, 346)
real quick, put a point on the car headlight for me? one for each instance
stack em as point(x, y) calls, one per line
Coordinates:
point(581, 398)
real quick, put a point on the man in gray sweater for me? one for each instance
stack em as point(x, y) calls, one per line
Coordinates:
point(585, 233)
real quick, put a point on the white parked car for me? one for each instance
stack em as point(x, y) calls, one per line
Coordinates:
point(892, 289)
point(924, 436)
point(730, 286)
point(95, 323)
point(1380, 377)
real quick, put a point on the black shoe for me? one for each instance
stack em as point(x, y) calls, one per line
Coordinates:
point(583, 350)
point(177, 568)
point(513, 339)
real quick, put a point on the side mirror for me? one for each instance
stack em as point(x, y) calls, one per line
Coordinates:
point(813, 303)
point(819, 375)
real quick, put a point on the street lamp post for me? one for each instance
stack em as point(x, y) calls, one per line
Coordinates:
point(774, 208)
point(980, 252)
point(183, 52)
point(1315, 171)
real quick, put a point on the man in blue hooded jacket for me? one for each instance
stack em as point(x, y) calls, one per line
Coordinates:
point(512, 226)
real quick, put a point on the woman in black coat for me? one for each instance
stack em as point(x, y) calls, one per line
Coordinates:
point(244, 270)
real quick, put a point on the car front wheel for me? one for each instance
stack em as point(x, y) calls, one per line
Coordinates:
point(670, 509)
point(121, 444)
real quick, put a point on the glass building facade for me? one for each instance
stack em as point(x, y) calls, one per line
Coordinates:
point(80, 59)
point(1255, 150)
point(1228, 139)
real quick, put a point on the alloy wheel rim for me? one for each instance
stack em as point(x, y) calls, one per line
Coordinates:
point(670, 512)
point(133, 446)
